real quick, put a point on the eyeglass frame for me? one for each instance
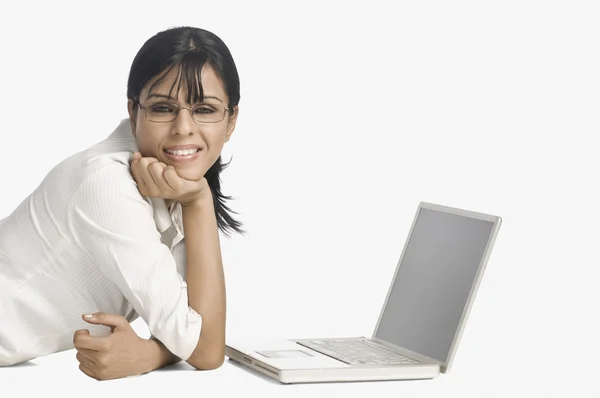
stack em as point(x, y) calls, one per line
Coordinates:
point(178, 108)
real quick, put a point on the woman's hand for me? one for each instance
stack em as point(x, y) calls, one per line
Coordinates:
point(120, 354)
point(157, 180)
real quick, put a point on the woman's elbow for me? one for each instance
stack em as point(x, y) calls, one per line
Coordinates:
point(209, 360)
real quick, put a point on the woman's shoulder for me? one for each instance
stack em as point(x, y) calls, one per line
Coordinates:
point(111, 156)
point(108, 171)
point(114, 154)
point(117, 163)
point(103, 167)
point(105, 183)
point(86, 166)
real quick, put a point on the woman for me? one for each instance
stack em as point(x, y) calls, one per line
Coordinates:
point(129, 227)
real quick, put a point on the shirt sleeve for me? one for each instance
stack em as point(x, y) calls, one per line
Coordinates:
point(110, 220)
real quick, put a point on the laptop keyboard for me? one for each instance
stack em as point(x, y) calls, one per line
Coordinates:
point(357, 352)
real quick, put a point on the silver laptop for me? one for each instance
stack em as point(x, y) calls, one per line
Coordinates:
point(422, 318)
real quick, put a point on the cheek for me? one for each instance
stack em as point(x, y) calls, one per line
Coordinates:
point(149, 135)
point(146, 143)
point(142, 140)
point(217, 135)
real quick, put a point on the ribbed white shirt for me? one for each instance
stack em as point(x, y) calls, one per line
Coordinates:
point(86, 241)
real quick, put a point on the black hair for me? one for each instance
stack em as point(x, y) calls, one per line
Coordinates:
point(188, 49)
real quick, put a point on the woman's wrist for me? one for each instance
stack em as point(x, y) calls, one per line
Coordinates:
point(200, 202)
point(202, 196)
point(158, 355)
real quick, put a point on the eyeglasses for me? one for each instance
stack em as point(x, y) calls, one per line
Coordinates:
point(164, 112)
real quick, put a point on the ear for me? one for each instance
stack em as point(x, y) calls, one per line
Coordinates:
point(132, 109)
point(232, 120)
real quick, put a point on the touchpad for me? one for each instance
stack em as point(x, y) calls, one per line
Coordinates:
point(284, 354)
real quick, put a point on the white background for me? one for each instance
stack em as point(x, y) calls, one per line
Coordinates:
point(352, 113)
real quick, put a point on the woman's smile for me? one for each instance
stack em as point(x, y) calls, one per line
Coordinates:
point(183, 153)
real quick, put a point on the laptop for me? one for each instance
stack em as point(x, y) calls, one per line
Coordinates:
point(422, 318)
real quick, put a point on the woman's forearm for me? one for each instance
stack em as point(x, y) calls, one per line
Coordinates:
point(205, 281)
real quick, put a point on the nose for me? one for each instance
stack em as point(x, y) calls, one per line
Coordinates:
point(184, 123)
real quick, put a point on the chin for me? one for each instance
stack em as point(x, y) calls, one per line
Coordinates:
point(187, 174)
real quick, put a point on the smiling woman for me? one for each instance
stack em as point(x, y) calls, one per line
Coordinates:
point(130, 226)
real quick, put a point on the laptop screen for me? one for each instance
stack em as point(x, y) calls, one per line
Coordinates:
point(433, 282)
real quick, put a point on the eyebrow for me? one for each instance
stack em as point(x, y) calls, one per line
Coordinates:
point(171, 98)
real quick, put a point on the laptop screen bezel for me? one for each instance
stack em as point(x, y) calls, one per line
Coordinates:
point(497, 221)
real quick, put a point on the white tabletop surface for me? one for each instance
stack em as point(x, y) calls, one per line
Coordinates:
point(478, 371)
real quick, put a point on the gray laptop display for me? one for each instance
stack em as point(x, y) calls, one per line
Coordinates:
point(431, 288)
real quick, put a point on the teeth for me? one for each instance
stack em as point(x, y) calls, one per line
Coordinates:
point(182, 152)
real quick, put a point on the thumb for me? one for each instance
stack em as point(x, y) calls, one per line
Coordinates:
point(101, 318)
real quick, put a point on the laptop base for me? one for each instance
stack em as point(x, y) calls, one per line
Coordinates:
point(287, 365)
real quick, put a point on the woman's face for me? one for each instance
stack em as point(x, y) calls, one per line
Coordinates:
point(161, 140)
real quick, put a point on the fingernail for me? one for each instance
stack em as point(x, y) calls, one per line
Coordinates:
point(88, 315)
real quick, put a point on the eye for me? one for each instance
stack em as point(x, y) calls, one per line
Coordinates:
point(204, 109)
point(162, 108)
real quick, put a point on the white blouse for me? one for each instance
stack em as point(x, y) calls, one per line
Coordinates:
point(87, 241)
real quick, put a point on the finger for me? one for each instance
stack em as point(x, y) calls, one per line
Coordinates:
point(85, 361)
point(77, 335)
point(156, 170)
point(172, 178)
point(134, 156)
point(91, 355)
point(102, 318)
point(85, 341)
point(144, 172)
point(87, 371)
point(139, 168)
point(135, 171)
point(81, 332)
